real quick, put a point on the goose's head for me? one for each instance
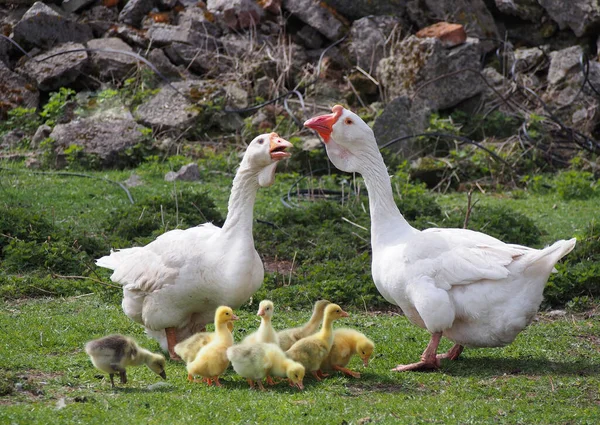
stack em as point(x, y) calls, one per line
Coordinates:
point(157, 365)
point(295, 373)
point(364, 348)
point(224, 314)
point(262, 155)
point(348, 139)
point(265, 308)
point(334, 311)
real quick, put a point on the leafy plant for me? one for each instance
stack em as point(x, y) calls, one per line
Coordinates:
point(575, 185)
point(54, 108)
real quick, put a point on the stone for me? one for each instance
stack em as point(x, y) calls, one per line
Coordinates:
point(236, 97)
point(57, 71)
point(424, 68)
point(33, 163)
point(264, 87)
point(368, 37)
point(357, 9)
point(202, 61)
point(134, 180)
point(236, 14)
point(527, 58)
point(238, 46)
point(169, 110)
point(563, 62)
point(581, 16)
point(111, 66)
point(134, 12)
point(449, 34)
point(16, 91)
point(227, 121)
point(311, 144)
point(317, 16)
point(272, 6)
point(105, 137)
point(158, 58)
point(529, 10)
point(165, 34)
point(42, 133)
point(310, 37)
point(100, 19)
point(71, 6)
point(42, 27)
point(402, 117)
point(189, 173)
point(128, 34)
point(197, 19)
point(12, 139)
point(473, 14)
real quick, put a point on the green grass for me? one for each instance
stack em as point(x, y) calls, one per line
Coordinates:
point(549, 375)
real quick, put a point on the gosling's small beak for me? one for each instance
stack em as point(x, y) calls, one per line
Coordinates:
point(300, 385)
point(163, 375)
point(260, 313)
point(323, 124)
point(365, 362)
point(278, 146)
point(344, 314)
point(234, 317)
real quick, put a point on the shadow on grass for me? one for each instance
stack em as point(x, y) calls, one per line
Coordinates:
point(493, 366)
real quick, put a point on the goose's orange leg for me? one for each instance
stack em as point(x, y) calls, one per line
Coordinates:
point(347, 371)
point(171, 342)
point(429, 359)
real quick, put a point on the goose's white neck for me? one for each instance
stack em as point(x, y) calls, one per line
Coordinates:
point(240, 209)
point(387, 223)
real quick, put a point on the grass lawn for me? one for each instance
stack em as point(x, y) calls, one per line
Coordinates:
point(549, 375)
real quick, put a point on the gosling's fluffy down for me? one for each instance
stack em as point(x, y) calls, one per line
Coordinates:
point(212, 359)
point(188, 349)
point(265, 332)
point(346, 343)
point(288, 337)
point(259, 360)
point(312, 350)
point(112, 354)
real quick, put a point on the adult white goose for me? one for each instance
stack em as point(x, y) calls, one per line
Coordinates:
point(174, 284)
point(470, 287)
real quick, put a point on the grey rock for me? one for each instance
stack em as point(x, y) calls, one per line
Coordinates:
point(134, 11)
point(473, 14)
point(111, 66)
point(317, 16)
point(402, 117)
point(5, 48)
point(310, 37)
point(194, 18)
point(167, 4)
point(41, 26)
point(556, 313)
point(16, 90)
point(527, 59)
point(417, 62)
point(100, 19)
point(563, 62)
point(33, 163)
point(128, 34)
point(164, 34)
point(200, 60)
point(356, 9)
point(263, 87)
point(169, 110)
point(12, 139)
point(236, 14)
point(42, 133)
point(529, 10)
point(58, 71)
point(368, 39)
point(189, 172)
point(228, 122)
point(236, 96)
point(105, 137)
point(581, 16)
point(158, 58)
point(134, 180)
point(71, 6)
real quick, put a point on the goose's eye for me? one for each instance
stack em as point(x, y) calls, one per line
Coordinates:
point(227, 314)
point(261, 141)
point(348, 121)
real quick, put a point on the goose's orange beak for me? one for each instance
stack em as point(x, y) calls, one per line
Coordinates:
point(234, 317)
point(323, 124)
point(278, 147)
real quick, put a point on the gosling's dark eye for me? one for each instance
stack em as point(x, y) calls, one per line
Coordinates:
point(348, 121)
point(261, 141)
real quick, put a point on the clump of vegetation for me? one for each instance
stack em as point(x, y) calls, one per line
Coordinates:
point(155, 215)
point(575, 185)
point(579, 272)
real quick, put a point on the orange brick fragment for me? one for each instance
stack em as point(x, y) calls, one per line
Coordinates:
point(449, 34)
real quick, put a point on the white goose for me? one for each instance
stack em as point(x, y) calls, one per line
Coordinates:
point(467, 286)
point(174, 284)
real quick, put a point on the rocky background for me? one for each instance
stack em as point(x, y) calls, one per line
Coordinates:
point(194, 71)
